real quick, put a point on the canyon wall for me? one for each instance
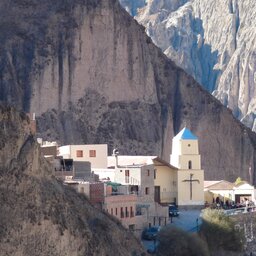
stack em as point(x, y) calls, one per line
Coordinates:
point(214, 41)
point(92, 75)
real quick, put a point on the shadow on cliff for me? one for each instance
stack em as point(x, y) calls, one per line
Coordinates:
point(208, 58)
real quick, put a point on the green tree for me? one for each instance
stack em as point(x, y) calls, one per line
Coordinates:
point(176, 242)
point(238, 180)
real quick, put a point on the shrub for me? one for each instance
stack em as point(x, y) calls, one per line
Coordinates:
point(176, 242)
point(219, 231)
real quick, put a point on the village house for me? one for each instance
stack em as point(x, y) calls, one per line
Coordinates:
point(138, 173)
point(95, 191)
point(165, 181)
point(164, 174)
point(121, 203)
point(224, 191)
point(62, 168)
point(96, 154)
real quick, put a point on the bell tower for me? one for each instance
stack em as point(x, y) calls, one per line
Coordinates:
point(190, 177)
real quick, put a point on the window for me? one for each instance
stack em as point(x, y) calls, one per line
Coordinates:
point(92, 153)
point(148, 172)
point(189, 164)
point(147, 190)
point(111, 211)
point(122, 213)
point(138, 211)
point(127, 175)
point(79, 153)
point(126, 212)
point(154, 173)
point(131, 212)
point(116, 211)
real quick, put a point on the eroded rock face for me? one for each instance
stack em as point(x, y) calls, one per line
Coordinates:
point(91, 75)
point(132, 6)
point(40, 216)
point(214, 41)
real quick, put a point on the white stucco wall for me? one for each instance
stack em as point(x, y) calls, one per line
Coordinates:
point(99, 161)
point(166, 178)
point(105, 173)
point(184, 151)
point(184, 147)
point(184, 187)
point(64, 151)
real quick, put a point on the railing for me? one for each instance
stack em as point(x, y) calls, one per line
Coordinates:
point(240, 210)
point(121, 193)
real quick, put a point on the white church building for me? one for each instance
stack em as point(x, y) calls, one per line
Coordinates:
point(190, 177)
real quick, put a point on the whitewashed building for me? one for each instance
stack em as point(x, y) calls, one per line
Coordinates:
point(96, 154)
point(190, 176)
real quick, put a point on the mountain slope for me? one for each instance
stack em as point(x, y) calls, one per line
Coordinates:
point(40, 216)
point(91, 75)
point(214, 41)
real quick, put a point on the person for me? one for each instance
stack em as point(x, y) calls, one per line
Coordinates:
point(246, 204)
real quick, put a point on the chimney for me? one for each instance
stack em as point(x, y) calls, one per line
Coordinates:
point(116, 153)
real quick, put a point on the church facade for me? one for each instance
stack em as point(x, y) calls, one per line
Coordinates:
point(190, 176)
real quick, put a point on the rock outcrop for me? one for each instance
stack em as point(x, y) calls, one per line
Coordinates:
point(39, 215)
point(91, 75)
point(132, 6)
point(214, 41)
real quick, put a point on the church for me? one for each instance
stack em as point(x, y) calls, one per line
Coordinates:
point(181, 181)
point(190, 177)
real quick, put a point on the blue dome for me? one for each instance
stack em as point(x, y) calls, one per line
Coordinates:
point(185, 134)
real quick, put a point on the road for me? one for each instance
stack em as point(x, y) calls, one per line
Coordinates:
point(187, 221)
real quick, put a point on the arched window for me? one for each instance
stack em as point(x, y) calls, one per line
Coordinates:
point(189, 164)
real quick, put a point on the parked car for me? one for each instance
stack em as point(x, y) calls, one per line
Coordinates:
point(150, 233)
point(173, 210)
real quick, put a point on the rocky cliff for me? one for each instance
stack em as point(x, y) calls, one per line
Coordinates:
point(40, 216)
point(132, 6)
point(214, 41)
point(91, 75)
